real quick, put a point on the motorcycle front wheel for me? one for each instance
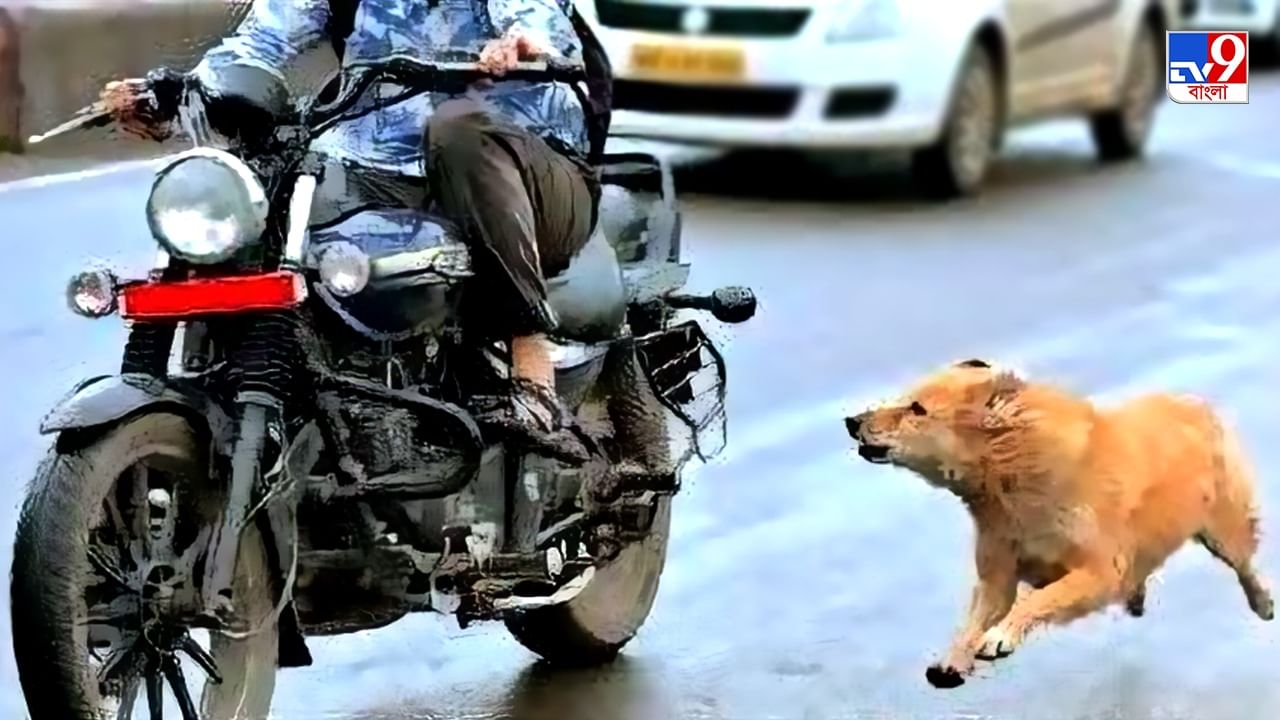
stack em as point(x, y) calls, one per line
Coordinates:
point(594, 626)
point(106, 567)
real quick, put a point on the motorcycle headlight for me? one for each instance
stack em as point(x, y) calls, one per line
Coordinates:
point(344, 268)
point(206, 205)
point(865, 20)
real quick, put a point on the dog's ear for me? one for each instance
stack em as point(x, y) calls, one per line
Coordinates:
point(1001, 406)
point(973, 363)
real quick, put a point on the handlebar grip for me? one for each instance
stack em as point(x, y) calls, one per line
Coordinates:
point(728, 304)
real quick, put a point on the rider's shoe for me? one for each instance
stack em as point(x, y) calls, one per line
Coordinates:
point(537, 422)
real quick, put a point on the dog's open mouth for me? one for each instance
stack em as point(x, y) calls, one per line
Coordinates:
point(874, 453)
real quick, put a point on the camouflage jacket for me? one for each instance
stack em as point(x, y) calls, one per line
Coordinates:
point(276, 32)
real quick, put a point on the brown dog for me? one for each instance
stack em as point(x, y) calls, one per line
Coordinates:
point(1080, 503)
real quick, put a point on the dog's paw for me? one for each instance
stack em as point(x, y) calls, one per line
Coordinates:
point(1136, 605)
point(944, 677)
point(997, 643)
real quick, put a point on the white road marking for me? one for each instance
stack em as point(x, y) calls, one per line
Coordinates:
point(672, 153)
point(44, 181)
point(1269, 169)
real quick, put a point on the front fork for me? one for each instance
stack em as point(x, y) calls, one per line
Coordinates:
point(266, 358)
point(255, 460)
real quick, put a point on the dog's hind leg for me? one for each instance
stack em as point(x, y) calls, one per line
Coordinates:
point(1231, 540)
point(1227, 546)
point(1231, 531)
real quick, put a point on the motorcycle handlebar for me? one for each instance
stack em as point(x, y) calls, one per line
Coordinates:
point(90, 116)
point(414, 72)
point(160, 99)
point(411, 70)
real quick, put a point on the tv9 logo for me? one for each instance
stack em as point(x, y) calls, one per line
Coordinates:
point(1207, 67)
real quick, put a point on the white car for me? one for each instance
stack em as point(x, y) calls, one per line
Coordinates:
point(1260, 17)
point(942, 78)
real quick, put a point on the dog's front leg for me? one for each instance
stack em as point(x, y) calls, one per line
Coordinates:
point(993, 596)
point(1078, 593)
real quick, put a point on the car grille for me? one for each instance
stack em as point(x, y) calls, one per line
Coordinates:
point(848, 103)
point(740, 22)
point(750, 102)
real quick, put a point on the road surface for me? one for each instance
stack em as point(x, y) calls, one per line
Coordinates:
point(803, 582)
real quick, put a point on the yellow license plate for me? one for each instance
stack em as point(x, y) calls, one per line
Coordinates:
point(688, 63)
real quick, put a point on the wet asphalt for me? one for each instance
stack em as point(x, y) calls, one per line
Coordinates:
point(801, 581)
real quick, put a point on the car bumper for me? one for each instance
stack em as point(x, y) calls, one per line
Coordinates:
point(1261, 20)
point(795, 93)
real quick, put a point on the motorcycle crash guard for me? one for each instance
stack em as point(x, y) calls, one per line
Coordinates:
point(106, 399)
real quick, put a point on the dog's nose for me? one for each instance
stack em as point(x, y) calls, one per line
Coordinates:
point(854, 424)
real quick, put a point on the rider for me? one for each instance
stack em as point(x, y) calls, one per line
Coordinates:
point(512, 161)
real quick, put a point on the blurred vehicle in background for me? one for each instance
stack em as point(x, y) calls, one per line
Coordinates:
point(1260, 17)
point(940, 79)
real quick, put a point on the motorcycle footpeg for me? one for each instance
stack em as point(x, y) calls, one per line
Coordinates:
point(632, 515)
point(632, 478)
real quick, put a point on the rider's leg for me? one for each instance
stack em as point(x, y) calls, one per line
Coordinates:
point(528, 210)
point(531, 360)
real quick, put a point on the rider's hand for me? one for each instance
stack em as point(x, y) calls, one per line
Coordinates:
point(128, 102)
point(504, 53)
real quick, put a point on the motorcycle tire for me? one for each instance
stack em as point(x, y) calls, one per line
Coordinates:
point(594, 626)
point(65, 506)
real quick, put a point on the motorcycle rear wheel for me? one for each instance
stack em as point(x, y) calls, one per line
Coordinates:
point(594, 626)
point(72, 523)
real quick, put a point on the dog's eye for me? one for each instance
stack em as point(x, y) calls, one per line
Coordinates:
point(918, 409)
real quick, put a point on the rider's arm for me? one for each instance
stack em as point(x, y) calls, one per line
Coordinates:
point(545, 22)
point(271, 37)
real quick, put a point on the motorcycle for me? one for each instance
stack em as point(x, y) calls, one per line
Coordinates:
point(293, 445)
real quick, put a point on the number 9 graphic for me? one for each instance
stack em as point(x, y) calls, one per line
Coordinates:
point(1238, 55)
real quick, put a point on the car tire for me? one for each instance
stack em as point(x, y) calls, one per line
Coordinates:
point(956, 164)
point(1273, 44)
point(1121, 133)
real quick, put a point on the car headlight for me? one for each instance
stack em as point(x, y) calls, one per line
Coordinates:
point(206, 205)
point(865, 20)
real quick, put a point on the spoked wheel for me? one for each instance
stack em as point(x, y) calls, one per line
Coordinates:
point(105, 592)
point(1269, 44)
point(591, 628)
point(1121, 133)
point(956, 165)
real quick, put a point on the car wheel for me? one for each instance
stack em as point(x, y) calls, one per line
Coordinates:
point(1273, 46)
point(957, 163)
point(1121, 133)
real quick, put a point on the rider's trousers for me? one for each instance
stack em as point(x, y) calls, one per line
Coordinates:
point(527, 208)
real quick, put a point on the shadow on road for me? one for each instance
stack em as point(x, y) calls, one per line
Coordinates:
point(782, 176)
point(626, 689)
